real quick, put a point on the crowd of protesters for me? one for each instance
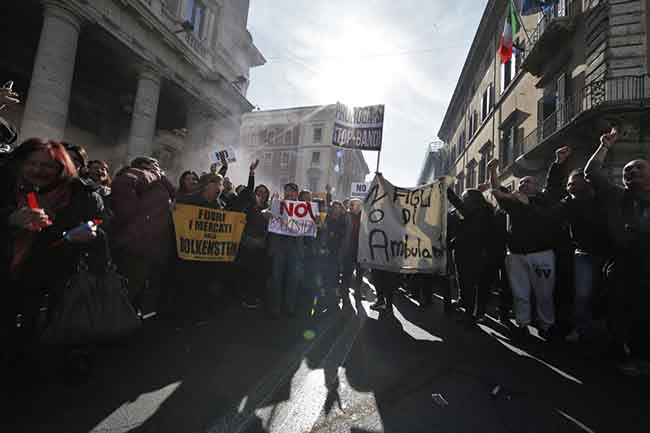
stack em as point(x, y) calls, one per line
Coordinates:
point(580, 243)
point(573, 258)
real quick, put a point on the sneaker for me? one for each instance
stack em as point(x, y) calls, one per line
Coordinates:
point(379, 305)
point(572, 337)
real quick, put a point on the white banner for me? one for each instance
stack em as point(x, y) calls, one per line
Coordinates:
point(359, 190)
point(228, 153)
point(404, 229)
point(294, 218)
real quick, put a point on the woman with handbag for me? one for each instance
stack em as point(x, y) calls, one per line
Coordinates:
point(46, 199)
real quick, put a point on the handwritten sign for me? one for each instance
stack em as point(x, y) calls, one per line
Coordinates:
point(359, 127)
point(207, 235)
point(294, 218)
point(404, 229)
point(228, 153)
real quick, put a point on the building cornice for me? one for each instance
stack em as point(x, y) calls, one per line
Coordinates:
point(221, 88)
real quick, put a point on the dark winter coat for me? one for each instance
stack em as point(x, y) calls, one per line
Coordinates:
point(141, 203)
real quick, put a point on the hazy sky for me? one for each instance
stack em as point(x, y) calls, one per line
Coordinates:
point(406, 54)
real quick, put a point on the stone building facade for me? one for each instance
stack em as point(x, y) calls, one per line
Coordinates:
point(295, 145)
point(130, 77)
point(582, 67)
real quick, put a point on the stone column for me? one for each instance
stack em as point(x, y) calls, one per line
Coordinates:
point(46, 109)
point(145, 110)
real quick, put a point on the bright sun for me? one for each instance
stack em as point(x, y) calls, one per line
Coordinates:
point(352, 71)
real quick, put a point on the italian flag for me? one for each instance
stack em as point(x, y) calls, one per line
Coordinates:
point(510, 28)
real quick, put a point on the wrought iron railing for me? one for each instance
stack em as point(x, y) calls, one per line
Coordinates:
point(599, 93)
point(550, 14)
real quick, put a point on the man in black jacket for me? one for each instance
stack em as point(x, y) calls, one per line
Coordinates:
point(586, 216)
point(628, 225)
point(530, 262)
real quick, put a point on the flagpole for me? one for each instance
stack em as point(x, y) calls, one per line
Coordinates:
point(378, 156)
point(521, 21)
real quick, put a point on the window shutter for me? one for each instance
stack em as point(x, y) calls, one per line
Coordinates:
point(502, 76)
point(491, 96)
point(561, 98)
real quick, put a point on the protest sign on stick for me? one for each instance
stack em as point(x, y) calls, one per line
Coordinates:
point(404, 229)
point(207, 235)
point(359, 127)
point(227, 153)
point(294, 218)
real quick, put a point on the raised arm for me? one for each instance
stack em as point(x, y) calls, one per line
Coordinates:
point(556, 176)
point(594, 166)
point(456, 201)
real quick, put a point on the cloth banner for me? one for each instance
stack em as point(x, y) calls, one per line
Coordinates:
point(207, 235)
point(294, 218)
point(404, 229)
point(358, 128)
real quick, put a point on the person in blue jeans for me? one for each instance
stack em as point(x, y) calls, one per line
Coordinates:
point(588, 227)
point(287, 255)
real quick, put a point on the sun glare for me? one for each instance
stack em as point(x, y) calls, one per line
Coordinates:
point(353, 70)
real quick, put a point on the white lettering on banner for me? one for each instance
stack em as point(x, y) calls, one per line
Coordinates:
point(228, 153)
point(404, 229)
point(294, 218)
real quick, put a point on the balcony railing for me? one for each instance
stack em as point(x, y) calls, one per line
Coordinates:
point(534, 45)
point(603, 93)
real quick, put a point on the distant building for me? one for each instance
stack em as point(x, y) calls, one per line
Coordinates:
point(130, 77)
point(582, 67)
point(435, 163)
point(294, 145)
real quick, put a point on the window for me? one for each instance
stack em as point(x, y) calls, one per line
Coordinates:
point(487, 102)
point(318, 135)
point(510, 145)
point(470, 180)
point(313, 185)
point(461, 142)
point(271, 137)
point(315, 158)
point(510, 69)
point(460, 181)
point(288, 137)
point(284, 160)
point(482, 169)
point(268, 159)
point(254, 139)
point(195, 12)
point(473, 123)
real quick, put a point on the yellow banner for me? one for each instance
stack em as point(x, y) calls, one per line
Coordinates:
point(207, 235)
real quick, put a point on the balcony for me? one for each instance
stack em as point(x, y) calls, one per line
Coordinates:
point(628, 93)
point(554, 29)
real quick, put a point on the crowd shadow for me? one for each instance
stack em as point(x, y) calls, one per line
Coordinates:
point(490, 381)
point(422, 370)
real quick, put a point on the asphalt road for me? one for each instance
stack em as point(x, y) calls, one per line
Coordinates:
point(412, 370)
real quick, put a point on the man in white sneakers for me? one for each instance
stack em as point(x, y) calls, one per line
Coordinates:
point(530, 262)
